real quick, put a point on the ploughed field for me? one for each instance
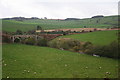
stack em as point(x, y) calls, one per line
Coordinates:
point(25, 61)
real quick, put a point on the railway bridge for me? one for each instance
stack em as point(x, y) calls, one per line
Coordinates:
point(36, 37)
point(20, 37)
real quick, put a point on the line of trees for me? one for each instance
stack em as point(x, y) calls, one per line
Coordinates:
point(110, 50)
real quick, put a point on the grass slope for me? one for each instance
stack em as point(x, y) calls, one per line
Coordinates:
point(97, 38)
point(53, 63)
point(13, 26)
point(25, 25)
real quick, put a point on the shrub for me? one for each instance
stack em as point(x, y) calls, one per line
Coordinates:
point(6, 38)
point(42, 42)
point(65, 43)
point(86, 46)
point(30, 41)
point(76, 48)
point(31, 32)
point(113, 49)
point(23, 41)
point(65, 33)
point(52, 44)
point(17, 40)
point(83, 31)
point(110, 50)
point(19, 32)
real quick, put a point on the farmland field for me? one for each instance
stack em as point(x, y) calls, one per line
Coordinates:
point(97, 38)
point(25, 61)
point(25, 25)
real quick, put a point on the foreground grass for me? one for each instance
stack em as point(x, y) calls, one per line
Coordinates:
point(97, 38)
point(24, 61)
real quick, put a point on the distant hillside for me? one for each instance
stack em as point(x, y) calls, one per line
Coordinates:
point(99, 16)
point(72, 19)
point(20, 18)
point(29, 24)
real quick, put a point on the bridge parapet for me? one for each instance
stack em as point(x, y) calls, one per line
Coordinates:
point(13, 37)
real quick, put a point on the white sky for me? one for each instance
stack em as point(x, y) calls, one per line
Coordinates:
point(58, 8)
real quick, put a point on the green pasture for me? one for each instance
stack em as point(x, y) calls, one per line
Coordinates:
point(97, 38)
point(25, 61)
point(25, 25)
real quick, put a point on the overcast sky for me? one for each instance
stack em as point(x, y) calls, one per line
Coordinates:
point(58, 9)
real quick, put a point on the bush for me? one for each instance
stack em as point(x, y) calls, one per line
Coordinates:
point(65, 43)
point(110, 50)
point(86, 46)
point(52, 44)
point(65, 33)
point(42, 42)
point(6, 39)
point(76, 48)
point(19, 32)
point(17, 40)
point(23, 40)
point(113, 49)
point(30, 41)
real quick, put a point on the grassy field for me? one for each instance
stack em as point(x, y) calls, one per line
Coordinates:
point(97, 38)
point(12, 26)
point(25, 25)
point(24, 61)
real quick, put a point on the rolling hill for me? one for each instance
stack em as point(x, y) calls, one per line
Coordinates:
point(97, 38)
point(25, 25)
